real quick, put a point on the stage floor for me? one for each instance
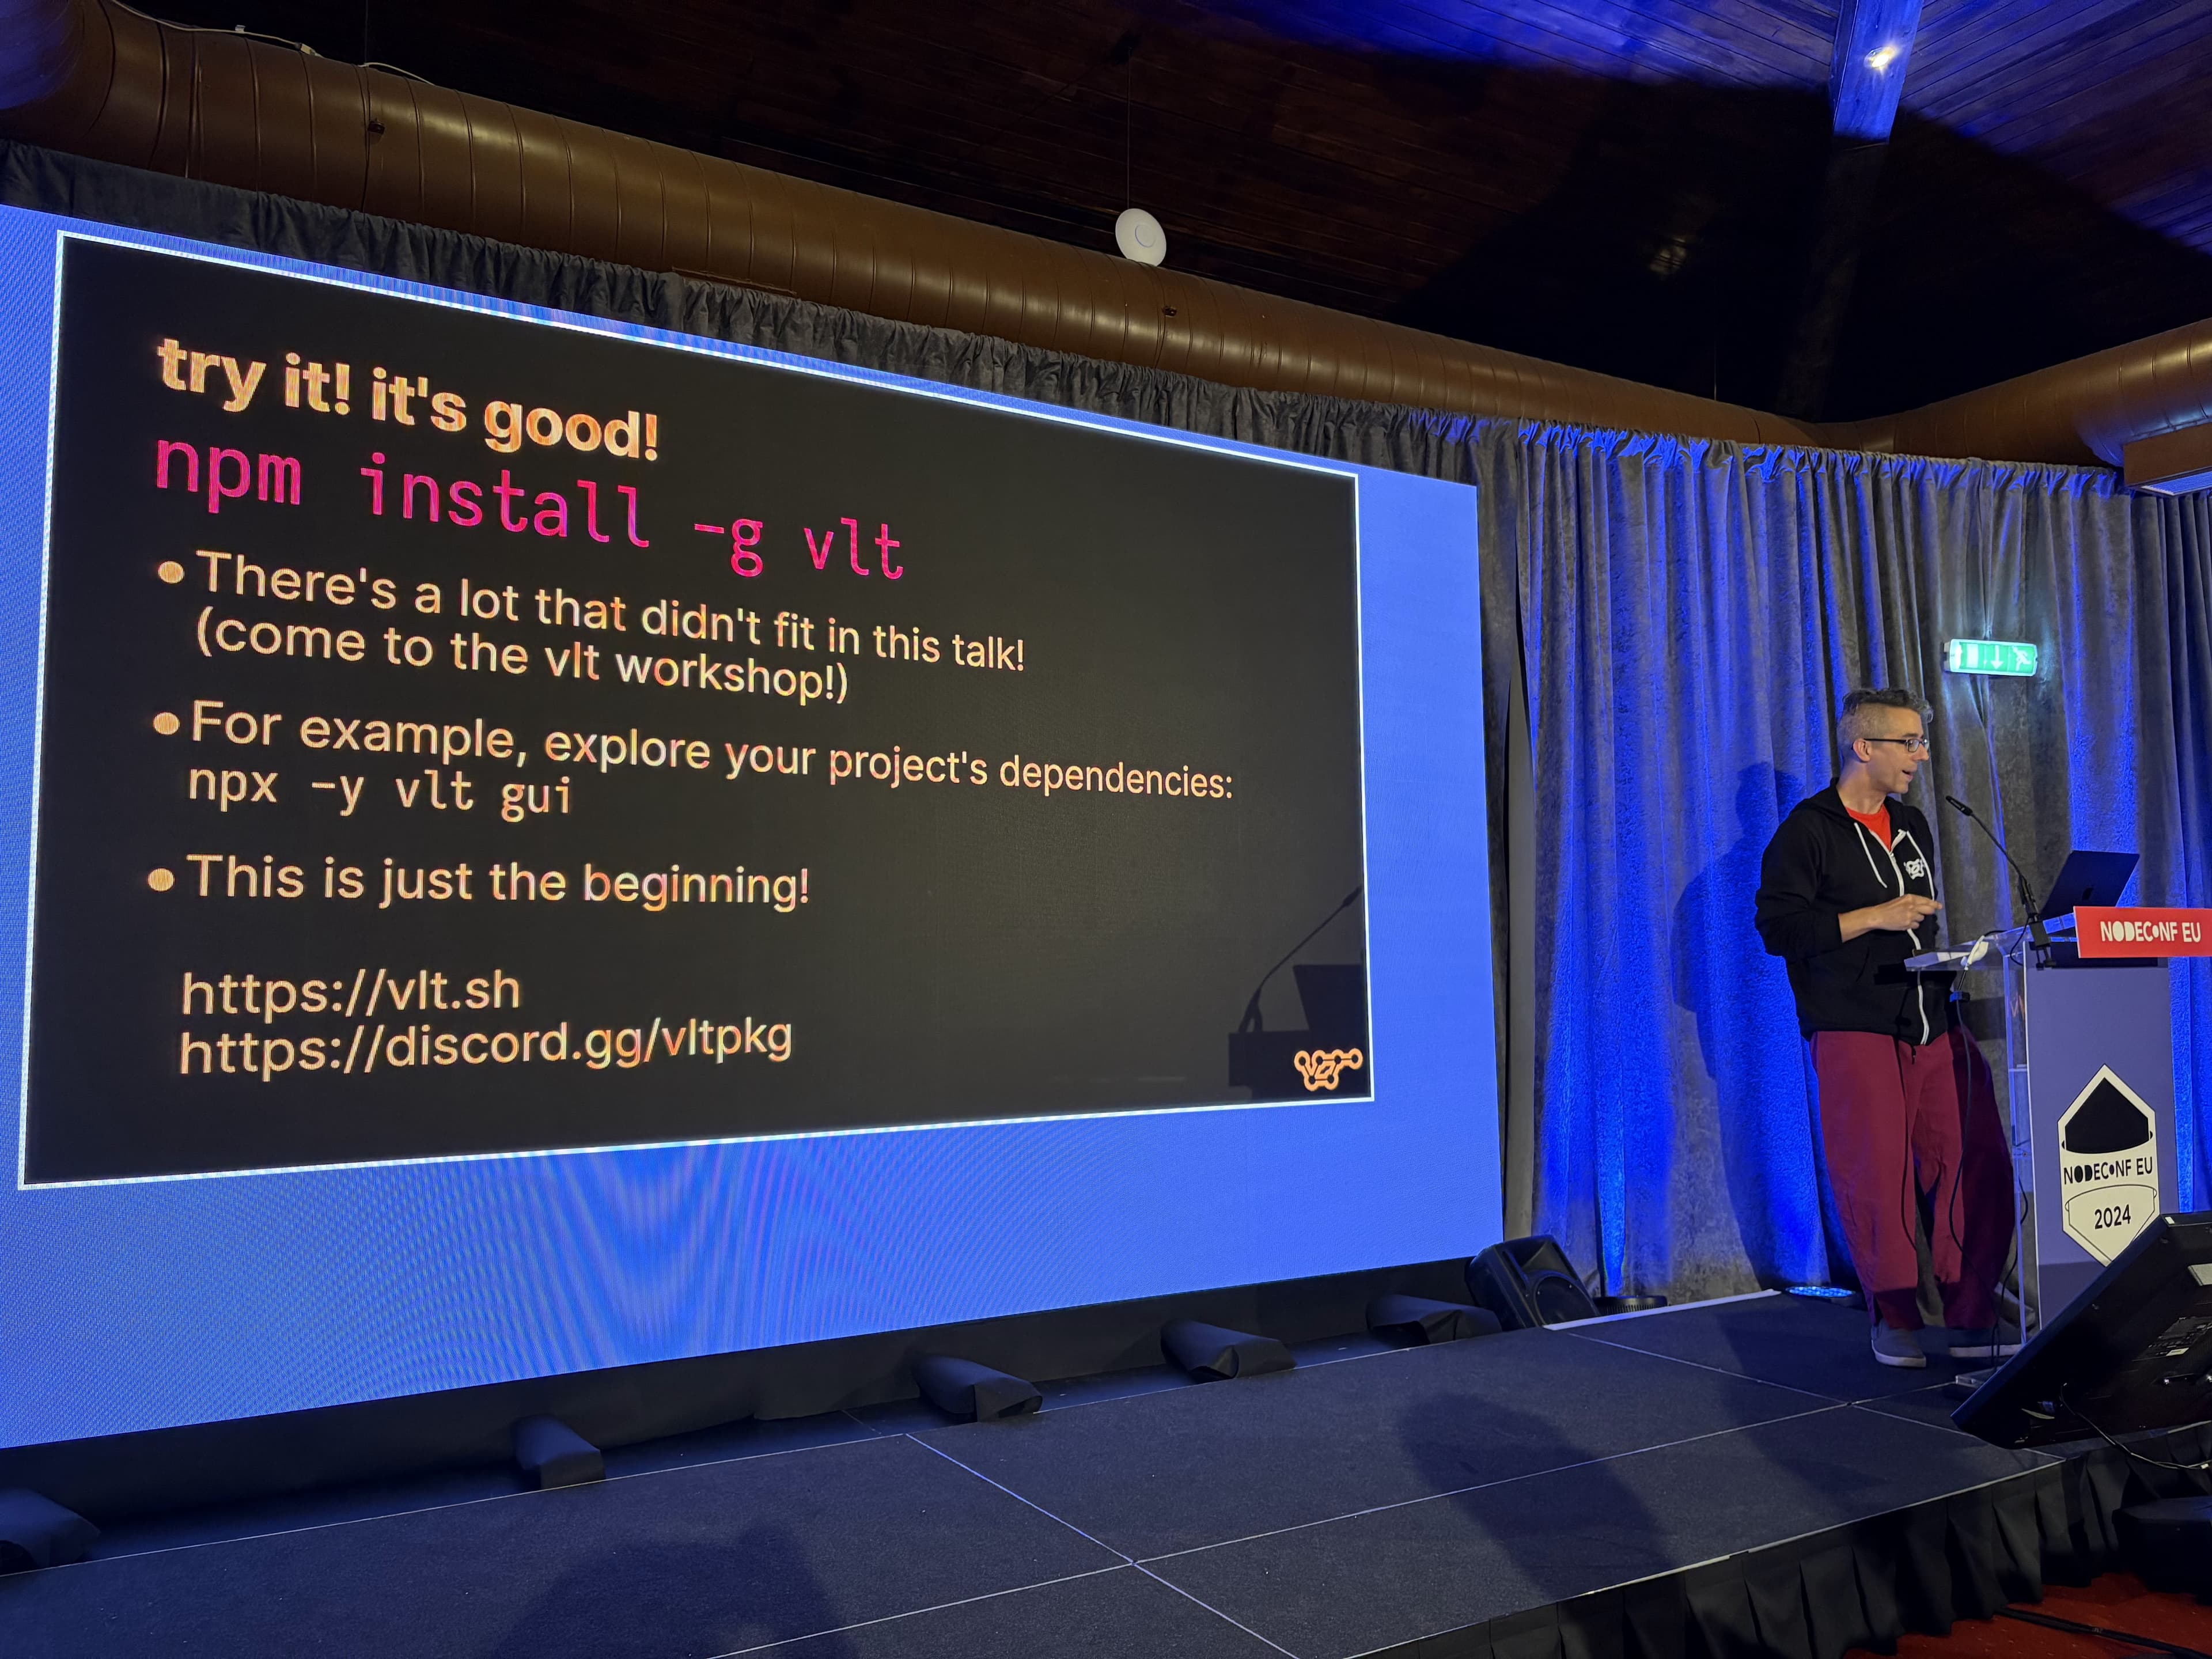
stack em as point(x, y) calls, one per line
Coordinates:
point(1370, 1499)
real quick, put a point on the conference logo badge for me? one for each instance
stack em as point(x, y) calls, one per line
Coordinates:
point(1321, 1067)
point(2107, 1166)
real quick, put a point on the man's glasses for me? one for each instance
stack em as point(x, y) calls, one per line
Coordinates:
point(1913, 746)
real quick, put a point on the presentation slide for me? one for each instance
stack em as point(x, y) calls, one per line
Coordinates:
point(584, 744)
point(540, 844)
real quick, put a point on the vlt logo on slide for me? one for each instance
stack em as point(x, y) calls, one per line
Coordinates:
point(1321, 1067)
point(2107, 1166)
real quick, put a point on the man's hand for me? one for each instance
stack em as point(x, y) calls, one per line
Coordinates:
point(1900, 915)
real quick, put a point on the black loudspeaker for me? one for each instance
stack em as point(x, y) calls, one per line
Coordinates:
point(1212, 1354)
point(1528, 1282)
point(1416, 1319)
point(2132, 1353)
point(554, 1455)
point(36, 1532)
point(2168, 1544)
point(973, 1393)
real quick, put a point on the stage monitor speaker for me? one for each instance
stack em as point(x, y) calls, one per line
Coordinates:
point(2167, 1543)
point(973, 1393)
point(1416, 1319)
point(1212, 1354)
point(2132, 1353)
point(1528, 1282)
point(36, 1532)
point(554, 1455)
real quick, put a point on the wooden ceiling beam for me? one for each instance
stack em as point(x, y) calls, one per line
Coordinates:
point(1873, 48)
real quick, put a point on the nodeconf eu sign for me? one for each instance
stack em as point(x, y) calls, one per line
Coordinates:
point(2144, 931)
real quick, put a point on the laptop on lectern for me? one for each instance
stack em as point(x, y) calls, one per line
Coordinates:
point(2093, 879)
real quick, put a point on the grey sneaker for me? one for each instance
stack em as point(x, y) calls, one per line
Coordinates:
point(1899, 1348)
point(1987, 1343)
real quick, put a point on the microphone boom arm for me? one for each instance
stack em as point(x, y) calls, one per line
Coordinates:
point(2038, 935)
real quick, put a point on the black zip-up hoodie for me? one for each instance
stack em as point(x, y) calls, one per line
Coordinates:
point(1822, 862)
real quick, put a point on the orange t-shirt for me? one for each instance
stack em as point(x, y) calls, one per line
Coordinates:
point(1877, 821)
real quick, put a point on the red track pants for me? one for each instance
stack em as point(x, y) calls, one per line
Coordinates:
point(1895, 1117)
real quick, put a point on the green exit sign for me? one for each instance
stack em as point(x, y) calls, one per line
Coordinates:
point(2014, 657)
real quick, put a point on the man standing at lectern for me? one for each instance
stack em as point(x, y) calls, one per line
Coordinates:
point(1846, 893)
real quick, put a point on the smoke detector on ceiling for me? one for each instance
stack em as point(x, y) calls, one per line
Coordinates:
point(1138, 235)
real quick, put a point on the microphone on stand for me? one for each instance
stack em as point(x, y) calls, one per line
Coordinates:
point(2037, 934)
point(1252, 1022)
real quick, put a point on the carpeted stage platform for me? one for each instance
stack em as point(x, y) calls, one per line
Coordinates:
point(1697, 1480)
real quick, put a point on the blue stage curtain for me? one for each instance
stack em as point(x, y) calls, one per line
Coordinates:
point(1690, 614)
point(2189, 631)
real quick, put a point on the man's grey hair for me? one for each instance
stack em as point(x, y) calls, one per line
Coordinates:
point(1852, 725)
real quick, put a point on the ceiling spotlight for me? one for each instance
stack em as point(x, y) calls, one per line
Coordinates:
point(1138, 235)
point(1882, 57)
